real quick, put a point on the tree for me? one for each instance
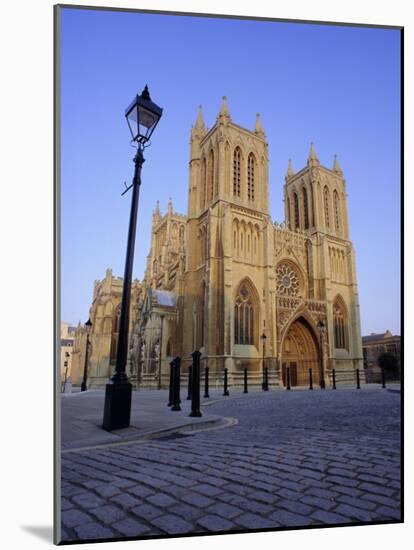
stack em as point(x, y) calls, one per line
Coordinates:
point(389, 363)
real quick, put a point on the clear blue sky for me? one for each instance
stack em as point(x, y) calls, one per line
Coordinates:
point(336, 86)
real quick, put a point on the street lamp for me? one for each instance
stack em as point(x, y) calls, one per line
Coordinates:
point(263, 339)
point(88, 326)
point(142, 117)
point(160, 357)
point(321, 328)
point(66, 365)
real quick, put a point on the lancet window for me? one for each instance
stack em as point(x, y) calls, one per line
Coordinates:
point(336, 207)
point(244, 317)
point(305, 208)
point(250, 177)
point(340, 325)
point(236, 172)
point(296, 209)
point(326, 206)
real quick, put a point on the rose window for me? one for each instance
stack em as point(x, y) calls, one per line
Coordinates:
point(287, 280)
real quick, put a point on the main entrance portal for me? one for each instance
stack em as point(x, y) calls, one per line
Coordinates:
point(300, 353)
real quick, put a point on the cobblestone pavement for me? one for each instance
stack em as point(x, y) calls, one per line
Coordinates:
point(293, 459)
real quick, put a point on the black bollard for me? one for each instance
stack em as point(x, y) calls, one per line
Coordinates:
point(357, 380)
point(176, 384)
point(190, 370)
point(195, 389)
point(206, 393)
point(310, 379)
point(288, 378)
point(266, 380)
point(333, 379)
point(226, 390)
point(383, 377)
point(170, 393)
point(245, 380)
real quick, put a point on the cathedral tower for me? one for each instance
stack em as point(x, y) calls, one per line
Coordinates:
point(316, 206)
point(227, 224)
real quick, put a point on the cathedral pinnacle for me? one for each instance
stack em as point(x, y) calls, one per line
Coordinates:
point(156, 214)
point(224, 114)
point(290, 172)
point(336, 168)
point(259, 128)
point(199, 125)
point(312, 158)
point(170, 207)
point(199, 129)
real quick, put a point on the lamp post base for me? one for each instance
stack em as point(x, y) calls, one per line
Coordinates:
point(117, 411)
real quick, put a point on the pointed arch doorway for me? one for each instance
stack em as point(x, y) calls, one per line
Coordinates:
point(300, 352)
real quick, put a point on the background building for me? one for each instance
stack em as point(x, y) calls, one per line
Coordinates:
point(67, 338)
point(373, 346)
point(223, 276)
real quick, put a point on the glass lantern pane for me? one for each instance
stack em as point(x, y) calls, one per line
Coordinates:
point(146, 117)
point(132, 123)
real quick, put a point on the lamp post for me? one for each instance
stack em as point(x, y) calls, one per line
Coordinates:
point(263, 339)
point(142, 117)
point(160, 357)
point(66, 365)
point(321, 328)
point(88, 326)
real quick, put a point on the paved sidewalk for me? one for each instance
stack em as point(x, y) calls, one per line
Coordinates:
point(293, 459)
point(82, 414)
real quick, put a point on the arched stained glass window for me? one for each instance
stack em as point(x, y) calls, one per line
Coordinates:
point(244, 317)
point(337, 210)
point(305, 208)
point(340, 325)
point(296, 207)
point(326, 206)
point(203, 190)
point(211, 175)
point(236, 172)
point(251, 165)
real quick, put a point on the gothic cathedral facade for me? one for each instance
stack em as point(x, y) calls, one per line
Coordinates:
point(226, 280)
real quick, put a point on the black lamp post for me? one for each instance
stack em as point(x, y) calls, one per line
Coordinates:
point(263, 339)
point(321, 328)
point(66, 365)
point(142, 117)
point(160, 357)
point(88, 326)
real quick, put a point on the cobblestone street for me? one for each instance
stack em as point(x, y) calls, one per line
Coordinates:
point(290, 459)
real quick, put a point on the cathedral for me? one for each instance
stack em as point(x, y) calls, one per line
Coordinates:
point(225, 279)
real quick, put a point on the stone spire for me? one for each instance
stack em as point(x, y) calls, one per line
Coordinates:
point(199, 129)
point(259, 128)
point(199, 125)
point(336, 168)
point(156, 214)
point(312, 158)
point(290, 172)
point(170, 207)
point(224, 115)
